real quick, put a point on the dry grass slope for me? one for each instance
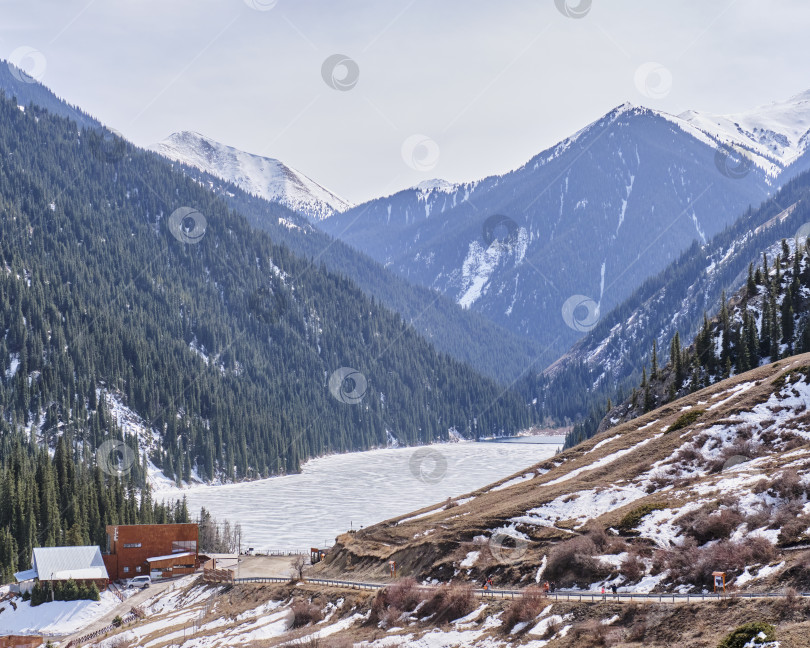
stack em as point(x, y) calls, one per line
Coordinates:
point(726, 466)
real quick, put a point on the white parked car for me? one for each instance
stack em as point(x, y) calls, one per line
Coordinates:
point(141, 582)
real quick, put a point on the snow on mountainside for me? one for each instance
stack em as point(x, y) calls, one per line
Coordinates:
point(589, 218)
point(775, 135)
point(261, 176)
point(676, 299)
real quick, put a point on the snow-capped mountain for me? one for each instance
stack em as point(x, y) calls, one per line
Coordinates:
point(774, 136)
point(588, 219)
point(265, 177)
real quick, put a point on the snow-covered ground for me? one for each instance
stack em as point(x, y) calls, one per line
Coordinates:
point(58, 617)
point(334, 493)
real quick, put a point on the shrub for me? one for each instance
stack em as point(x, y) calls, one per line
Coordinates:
point(791, 600)
point(389, 604)
point(742, 635)
point(304, 613)
point(524, 609)
point(117, 621)
point(793, 530)
point(573, 561)
point(789, 485)
point(448, 603)
point(688, 454)
point(694, 565)
point(631, 520)
point(686, 419)
point(632, 567)
point(717, 525)
point(590, 633)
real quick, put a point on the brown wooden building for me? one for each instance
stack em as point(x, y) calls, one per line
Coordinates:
point(172, 549)
point(20, 641)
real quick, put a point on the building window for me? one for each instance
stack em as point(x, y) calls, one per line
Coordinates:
point(184, 545)
point(138, 568)
point(132, 545)
point(126, 570)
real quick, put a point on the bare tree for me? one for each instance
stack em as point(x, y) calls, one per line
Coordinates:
point(298, 565)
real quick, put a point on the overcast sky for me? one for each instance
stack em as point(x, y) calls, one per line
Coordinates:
point(485, 85)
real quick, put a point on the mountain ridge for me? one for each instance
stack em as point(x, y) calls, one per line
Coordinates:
point(265, 177)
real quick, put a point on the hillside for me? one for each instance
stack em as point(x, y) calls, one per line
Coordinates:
point(716, 480)
point(193, 613)
point(465, 335)
point(607, 362)
point(765, 320)
point(223, 343)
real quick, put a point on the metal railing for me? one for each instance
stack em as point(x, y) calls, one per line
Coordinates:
point(559, 595)
point(125, 620)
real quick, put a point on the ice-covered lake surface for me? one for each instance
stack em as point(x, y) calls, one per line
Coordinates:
point(338, 492)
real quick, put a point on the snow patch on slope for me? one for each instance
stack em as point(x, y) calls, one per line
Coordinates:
point(265, 177)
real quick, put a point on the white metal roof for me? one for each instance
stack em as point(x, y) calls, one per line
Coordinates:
point(174, 555)
point(62, 563)
point(28, 574)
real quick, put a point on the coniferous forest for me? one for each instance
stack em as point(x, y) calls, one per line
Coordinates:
point(767, 319)
point(223, 342)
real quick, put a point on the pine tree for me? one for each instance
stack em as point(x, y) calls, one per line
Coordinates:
point(676, 359)
point(648, 398)
point(776, 329)
point(788, 324)
point(752, 283)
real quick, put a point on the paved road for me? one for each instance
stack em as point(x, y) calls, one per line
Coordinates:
point(560, 595)
point(278, 569)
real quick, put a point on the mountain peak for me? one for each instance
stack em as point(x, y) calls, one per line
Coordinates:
point(436, 184)
point(265, 177)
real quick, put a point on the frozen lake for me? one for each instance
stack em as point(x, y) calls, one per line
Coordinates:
point(338, 492)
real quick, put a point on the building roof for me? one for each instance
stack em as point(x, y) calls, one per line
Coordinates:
point(28, 574)
point(62, 563)
point(170, 556)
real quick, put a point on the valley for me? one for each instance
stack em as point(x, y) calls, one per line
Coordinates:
point(388, 325)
